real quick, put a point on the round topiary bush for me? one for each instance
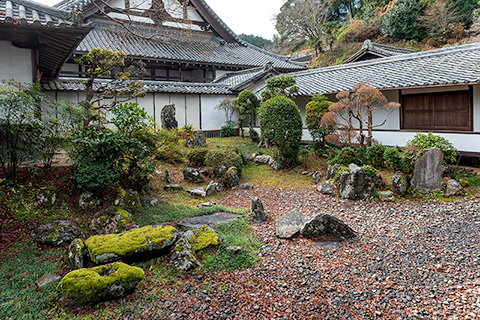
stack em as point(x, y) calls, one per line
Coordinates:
point(425, 141)
point(281, 124)
point(197, 157)
point(223, 157)
point(315, 110)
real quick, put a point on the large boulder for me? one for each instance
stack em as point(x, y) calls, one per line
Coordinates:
point(149, 240)
point(210, 220)
point(197, 140)
point(454, 188)
point(57, 233)
point(263, 159)
point(258, 212)
point(231, 178)
point(183, 254)
point(86, 286)
point(354, 184)
point(428, 174)
point(75, 255)
point(400, 183)
point(327, 226)
point(112, 221)
point(290, 225)
point(169, 120)
point(129, 201)
point(193, 175)
point(47, 196)
point(88, 201)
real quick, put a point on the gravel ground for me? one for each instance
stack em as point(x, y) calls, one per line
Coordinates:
point(412, 260)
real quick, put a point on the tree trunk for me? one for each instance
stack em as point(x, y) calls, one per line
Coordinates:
point(369, 126)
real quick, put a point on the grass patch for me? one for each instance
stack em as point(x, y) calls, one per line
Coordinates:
point(174, 213)
point(19, 298)
point(234, 233)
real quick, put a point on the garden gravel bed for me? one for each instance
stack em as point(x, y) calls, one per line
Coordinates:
point(412, 260)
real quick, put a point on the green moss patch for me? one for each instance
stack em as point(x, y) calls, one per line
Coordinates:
point(90, 285)
point(112, 247)
point(203, 238)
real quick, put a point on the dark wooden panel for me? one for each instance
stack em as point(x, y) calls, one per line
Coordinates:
point(446, 111)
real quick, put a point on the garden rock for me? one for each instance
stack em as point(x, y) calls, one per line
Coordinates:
point(326, 226)
point(355, 184)
point(250, 157)
point(219, 172)
point(258, 212)
point(47, 196)
point(276, 165)
point(332, 170)
point(167, 177)
point(193, 175)
point(206, 205)
point(183, 254)
point(290, 225)
point(317, 177)
point(212, 189)
point(428, 174)
point(262, 159)
point(454, 188)
point(169, 120)
point(231, 178)
point(88, 201)
point(149, 240)
point(247, 186)
point(210, 220)
point(130, 201)
point(328, 188)
point(386, 196)
point(400, 183)
point(234, 249)
point(57, 233)
point(148, 202)
point(75, 254)
point(86, 286)
point(173, 187)
point(197, 140)
point(112, 221)
point(197, 192)
point(47, 280)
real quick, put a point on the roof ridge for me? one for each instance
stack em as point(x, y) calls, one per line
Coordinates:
point(192, 84)
point(407, 56)
point(41, 7)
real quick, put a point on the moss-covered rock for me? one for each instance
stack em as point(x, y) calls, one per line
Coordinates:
point(112, 221)
point(183, 254)
point(57, 233)
point(85, 286)
point(75, 254)
point(47, 196)
point(88, 201)
point(147, 240)
point(231, 178)
point(129, 201)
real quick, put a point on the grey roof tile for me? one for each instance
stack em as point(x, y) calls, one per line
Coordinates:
point(77, 84)
point(25, 12)
point(445, 66)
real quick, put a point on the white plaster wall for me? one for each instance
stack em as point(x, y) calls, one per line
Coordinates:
point(15, 63)
point(193, 110)
point(213, 119)
point(476, 108)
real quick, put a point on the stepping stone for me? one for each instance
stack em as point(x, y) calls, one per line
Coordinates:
point(210, 220)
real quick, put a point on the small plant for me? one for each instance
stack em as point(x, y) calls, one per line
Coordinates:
point(187, 130)
point(347, 155)
point(228, 131)
point(369, 170)
point(374, 155)
point(393, 158)
point(426, 141)
point(168, 146)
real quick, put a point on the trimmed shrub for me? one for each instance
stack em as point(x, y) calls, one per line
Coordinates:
point(374, 155)
point(315, 110)
point(348, 155)
point(223, 157)
point(393, 158)
point(197, 157)
point(281, 124)
point(168, 148)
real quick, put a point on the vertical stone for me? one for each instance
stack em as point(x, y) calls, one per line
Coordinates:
point(428, 175)
point(258, 212)
point(169, 120)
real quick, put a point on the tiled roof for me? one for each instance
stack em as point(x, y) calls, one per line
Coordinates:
point(77, 5)
point(181, 46)
point(445, 66)
point(381, 50)
point(236, 79)
point(77, 84)
point(24, 12)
